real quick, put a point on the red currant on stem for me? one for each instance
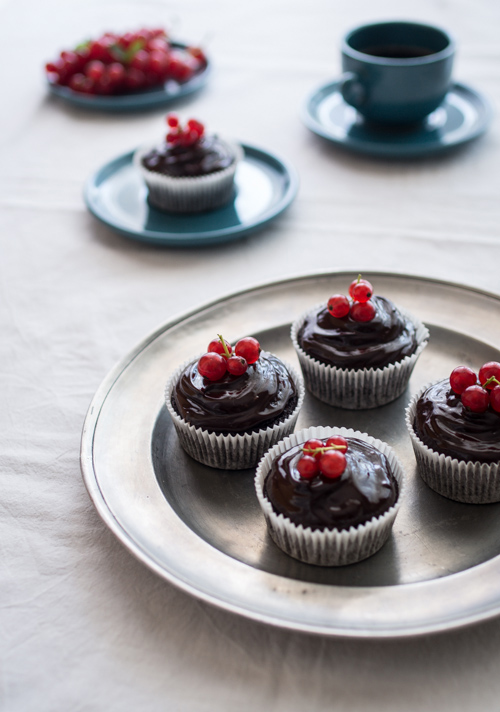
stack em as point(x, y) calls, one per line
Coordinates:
point(307, 467)
point(337, 441)
point(488, 371)
point(212, 366)
point(461, 378)
point(312, 447)
point(220, 346)
point(332, 464)
point(338, 306)
point(360, 290)
point(495, 399)
point(249, 348)
point(476, 398)
point(362, 311)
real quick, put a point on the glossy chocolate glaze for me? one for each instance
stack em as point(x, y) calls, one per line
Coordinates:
point(346, 343)
point(208, 155)
point(262, 396)
point(447, 426)
point(366, 489)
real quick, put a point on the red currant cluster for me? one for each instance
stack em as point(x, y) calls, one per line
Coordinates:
point(186, 136)
point(478, 396)
point(361, 308)
point(326, 458)
point(117, 64)
point(221, 357)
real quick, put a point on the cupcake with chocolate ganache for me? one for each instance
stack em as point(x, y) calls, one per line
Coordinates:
point(454, 425)
point(359, 351)
point(230, 405)
point(330, 495)
point(190, 172)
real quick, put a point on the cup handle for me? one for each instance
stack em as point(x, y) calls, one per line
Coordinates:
point(352, 90)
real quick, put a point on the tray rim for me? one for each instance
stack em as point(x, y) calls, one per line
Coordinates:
point(208, 237)
point(92, 485)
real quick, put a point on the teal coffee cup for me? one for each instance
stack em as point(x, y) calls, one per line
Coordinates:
point(396, 72)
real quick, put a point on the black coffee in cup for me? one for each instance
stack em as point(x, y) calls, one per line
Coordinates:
point(397, 51)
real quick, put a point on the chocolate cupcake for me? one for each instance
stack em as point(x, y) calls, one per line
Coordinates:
point(455, 433)
point(229, 408)
point(324, 513)
point(358, 354)
point(191, 171)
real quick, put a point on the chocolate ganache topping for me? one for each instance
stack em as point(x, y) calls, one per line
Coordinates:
point(264, 395)
point(366, 489)
point(445, 425)
point(207, 155)
point(346, 343)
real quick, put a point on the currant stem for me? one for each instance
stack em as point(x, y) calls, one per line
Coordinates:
point(224, 345)
point(491, 380)
point(321, 450)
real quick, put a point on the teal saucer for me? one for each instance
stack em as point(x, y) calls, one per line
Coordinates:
point(264, 186)
point(463, 116)
point(135, 101)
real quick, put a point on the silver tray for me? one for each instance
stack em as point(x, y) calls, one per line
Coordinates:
point(202, 529)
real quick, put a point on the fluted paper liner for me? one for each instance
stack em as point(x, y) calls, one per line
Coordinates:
point(328, 547)
point(181, 194)
point(230, 452)
point(361, 388)
point(469, 482)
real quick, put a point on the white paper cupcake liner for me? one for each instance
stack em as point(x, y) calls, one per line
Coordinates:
point(362, 388)
point(470, 482)
point(190, 194)
point(230, 452)
point(328, 547)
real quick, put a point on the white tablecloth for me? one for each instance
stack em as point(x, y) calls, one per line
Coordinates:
point(83, 625)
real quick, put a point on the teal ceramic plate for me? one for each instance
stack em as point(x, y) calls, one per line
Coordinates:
point(264, 186)
point(464, 115)
point(138, 101)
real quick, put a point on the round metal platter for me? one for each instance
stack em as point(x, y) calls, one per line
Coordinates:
point(202, 528)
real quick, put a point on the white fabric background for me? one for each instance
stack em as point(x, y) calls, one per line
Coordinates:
point(83, 625)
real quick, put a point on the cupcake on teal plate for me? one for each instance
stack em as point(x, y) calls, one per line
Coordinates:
point(191, 171)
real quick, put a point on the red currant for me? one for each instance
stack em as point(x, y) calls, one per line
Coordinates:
point(212, 366)
point(332, 464)
point(337, 440)
point(461, 378)
point(476, 398)
point(311, 445)
point(495, 399)
point(249, 348)
point(236, 365)
point(78, 82)
point(360, 290)
point(362, 311)
point(217, 346)
point(489, 370)
point(307, 467)
point(140, 60)
point(338, 306)
point(116, 73)
point(134, 78)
